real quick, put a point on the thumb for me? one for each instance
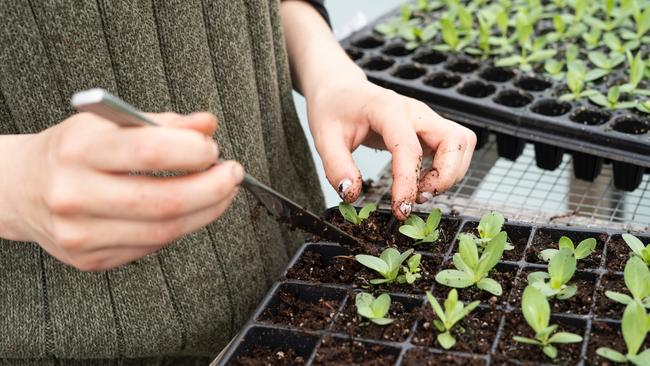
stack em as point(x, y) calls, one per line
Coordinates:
point(340, 169)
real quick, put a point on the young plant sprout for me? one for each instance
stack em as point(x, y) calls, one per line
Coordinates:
point(634, 327)
point(606, 64)
point(453, 312)
point(489, 227)
point(422, 231)
point(537, 313)
point(644, 106)
point(451, 36)
point(560, 271)
point(373, 309)
point(612, 20)
point(636, 70)
point(349, 213)
point(617, 46)
point(637, 280)
point(582, 251)
point(612, 100)
point(638, 249)
point(592, 38)
point(554, 68)
point(387, 264)
point(576, 77)
point(411, 270)
point(641, 21)
point(472, 270)
point(524, 30)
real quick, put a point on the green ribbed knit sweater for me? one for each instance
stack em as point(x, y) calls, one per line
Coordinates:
point(188, 300)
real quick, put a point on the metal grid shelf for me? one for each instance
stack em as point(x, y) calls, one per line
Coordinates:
point(521, 191)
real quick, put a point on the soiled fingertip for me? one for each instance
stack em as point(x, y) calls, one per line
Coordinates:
point(424, 197)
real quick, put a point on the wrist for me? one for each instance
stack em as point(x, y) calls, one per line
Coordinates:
point(14, 150)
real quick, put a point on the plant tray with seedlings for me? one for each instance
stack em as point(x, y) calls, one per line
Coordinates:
point(568, 75)
point(453, 290)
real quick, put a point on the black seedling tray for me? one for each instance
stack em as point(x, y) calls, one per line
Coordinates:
point(329, 285)
point(516, 106)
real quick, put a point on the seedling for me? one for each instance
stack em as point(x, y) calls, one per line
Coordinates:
point(523, 32)
point(576, 77)
point(582, 251)
point(644, 106)
point(554, 68)
point(387, 264)
point(634, 327)
point(560, 271)
point(537, 313)
point(411, 270)
point(612, 19)
point(489, 227)
point(349, 213)
point(402, 26)
point(641, 21)
point(424, 232)
point(604, 63)
point(612, 100)
point(472, 270)
point(453, 312)
point(638, 249)
point(617, 46)
point(451, 36)
point(373, 309)
point(592, 38)
point(636, 70)
point(637, 280)
point(562, 31)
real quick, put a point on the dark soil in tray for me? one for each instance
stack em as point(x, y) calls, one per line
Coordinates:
point(429, 266)
point(373, 230)
point(312, 267)
point(291, 310)
point(548, 238)
point(447, 233)
point(480, 329)
point(580, 303)
point(503, 274)
point(606, 308)
point(517, 236)
point(335, 352)
point(421, 357)
point(508, 349)
point(264, 356)
point(618, 252)
point(350, 323)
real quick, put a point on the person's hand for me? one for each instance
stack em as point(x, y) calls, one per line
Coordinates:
point(344, 115)
point(79, 202)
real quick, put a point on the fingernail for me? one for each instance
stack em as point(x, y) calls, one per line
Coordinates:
point(344, 185)
point(237, 171)
point(405, 208)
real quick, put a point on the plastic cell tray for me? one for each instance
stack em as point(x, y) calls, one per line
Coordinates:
point(596, 274)
point(518, 107)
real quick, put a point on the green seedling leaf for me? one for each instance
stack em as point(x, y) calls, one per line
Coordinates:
point(411, 270)
point(490, 285)
point(373, 309)
point(387, 265)
point(453, 312)
point(561, 268)
point(638, 248)
point(420, 230)
point(634, 327)
point(349, 213)
point(490, 225)
point(644, 106)
point(611, 354)
point(537, 313)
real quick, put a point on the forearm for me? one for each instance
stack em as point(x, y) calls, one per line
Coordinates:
point(315, 56)
point(12, 148)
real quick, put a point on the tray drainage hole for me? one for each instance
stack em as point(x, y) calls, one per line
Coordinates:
point(533, 83)
point(497, 74)
point(442, 79)
point(551, 107)
point(377, 63)
point(368, 42)
point(430, 57)
point(513, 98)
point(462, 65)
point(476, 89)
point(354, 54)
point(396, 49)
point(409, 71)
point(588, 116)
point(631, 125)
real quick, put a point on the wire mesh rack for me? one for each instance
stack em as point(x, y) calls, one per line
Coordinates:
point(523, 192)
